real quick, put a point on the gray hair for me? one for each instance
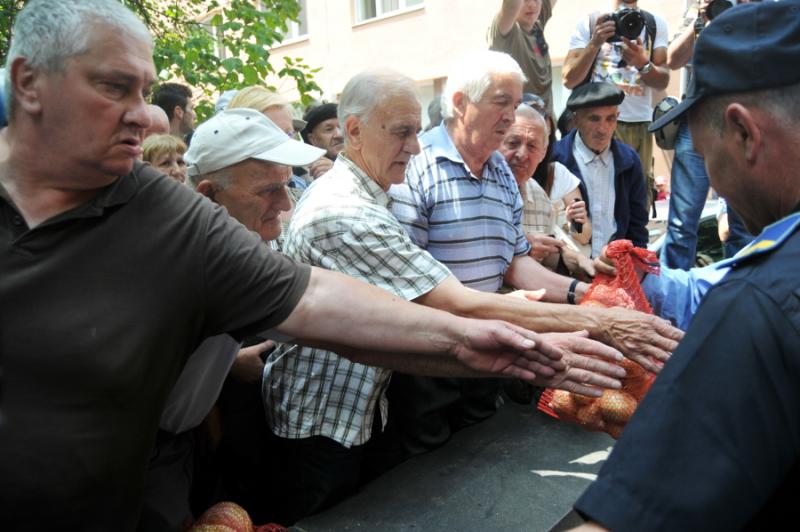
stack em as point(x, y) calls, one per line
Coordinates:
point(782, 103)
point(473, 75)
point(48, 32)
point(368, 89)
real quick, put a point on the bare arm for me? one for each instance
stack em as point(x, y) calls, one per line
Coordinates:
point(635, 54)
point(579, 61)
point(508, 15)
point(681, 48)
point(337, 310)
point(527, 274)
point(635, 334)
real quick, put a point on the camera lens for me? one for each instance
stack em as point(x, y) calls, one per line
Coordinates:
point(716, 7)
point(630, 24)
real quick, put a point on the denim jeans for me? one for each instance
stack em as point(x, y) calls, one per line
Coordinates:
point(738, 237)
point(689, 184)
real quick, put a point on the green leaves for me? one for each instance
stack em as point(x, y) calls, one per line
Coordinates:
point(213, 45)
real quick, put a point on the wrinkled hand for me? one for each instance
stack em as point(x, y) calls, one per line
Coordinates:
point(528, 295)
point(576, 212)
point(248, 366)
point(603, 31)
point(500, 348)
point(634, 53)
point(641, 337)
point(542, 246)
point(584, 374)
point(320, 166)
point(581, 266)
point(604, 265)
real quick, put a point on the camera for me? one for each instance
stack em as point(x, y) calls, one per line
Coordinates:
point(628, 23)
point(716, 7)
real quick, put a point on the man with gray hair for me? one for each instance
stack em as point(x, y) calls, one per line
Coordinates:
point(112, 274)
point(461, 203)
point(324, 408)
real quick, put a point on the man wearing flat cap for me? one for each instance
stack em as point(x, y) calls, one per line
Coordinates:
point(715, 445)
point(322, 130)
point(610, 171)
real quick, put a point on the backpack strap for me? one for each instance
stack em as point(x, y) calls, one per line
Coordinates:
point(650, 31)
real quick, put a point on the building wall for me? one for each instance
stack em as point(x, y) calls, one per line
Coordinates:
point(423, 42)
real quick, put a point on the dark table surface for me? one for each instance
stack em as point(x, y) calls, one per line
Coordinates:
point(482, 479)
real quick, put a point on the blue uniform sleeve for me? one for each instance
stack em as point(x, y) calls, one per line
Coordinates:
point(717, 438)
point(675, 295)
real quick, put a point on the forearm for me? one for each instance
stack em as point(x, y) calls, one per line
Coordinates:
point(508, 15)
point(657, 78)
point(336, 309)
point(412, 364)
point(527, 274)
point(681, 49)
point(577, 65)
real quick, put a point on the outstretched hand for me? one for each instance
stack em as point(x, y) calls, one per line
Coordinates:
point(500, 348)
point(646, 339)
point(585, 372)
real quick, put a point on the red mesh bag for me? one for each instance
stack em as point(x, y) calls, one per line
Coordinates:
point(611, 412)
point(230, 517)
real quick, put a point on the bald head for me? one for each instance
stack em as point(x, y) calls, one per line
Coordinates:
point(159, 123)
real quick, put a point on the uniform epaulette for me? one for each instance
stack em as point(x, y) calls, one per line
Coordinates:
point(770, 239)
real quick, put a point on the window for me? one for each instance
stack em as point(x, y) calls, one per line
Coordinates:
point(300, 28)
point(216, 34)
point(369, 9)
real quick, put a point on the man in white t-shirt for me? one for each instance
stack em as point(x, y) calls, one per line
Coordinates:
point(636, 67)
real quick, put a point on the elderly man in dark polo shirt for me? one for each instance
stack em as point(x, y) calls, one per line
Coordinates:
point(112, 274)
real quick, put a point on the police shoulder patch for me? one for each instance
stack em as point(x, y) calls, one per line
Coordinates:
point(770, 239)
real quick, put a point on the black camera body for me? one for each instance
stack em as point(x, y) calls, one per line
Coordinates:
point(628, 23)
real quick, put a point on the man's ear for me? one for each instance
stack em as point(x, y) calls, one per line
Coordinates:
point(460, 102)
point(353, 127)
point(742, 128)
point(26, 81)
point(177, 113)
point(207, 189)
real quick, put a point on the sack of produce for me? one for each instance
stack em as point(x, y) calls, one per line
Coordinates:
point(611, 412)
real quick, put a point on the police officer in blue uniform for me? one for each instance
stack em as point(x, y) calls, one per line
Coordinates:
point(715, 444)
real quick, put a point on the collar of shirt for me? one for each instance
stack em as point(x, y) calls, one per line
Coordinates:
point(363, 182)
point(441, 146)
point(587, 155)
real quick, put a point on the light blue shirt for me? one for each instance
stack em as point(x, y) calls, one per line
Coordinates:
point(597, 170)
point(675, 295)
point(471, 224)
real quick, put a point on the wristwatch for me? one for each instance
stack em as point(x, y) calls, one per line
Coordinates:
point(646, 69)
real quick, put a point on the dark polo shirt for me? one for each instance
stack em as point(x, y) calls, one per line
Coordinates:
point(99, 308)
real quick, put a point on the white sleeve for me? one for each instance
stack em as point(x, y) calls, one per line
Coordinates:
point(564, 182)
point(581, 36)
point(662, 33)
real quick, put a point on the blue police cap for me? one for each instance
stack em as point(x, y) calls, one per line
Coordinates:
point(750, 47)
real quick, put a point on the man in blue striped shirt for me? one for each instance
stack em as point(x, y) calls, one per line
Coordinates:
point(461, 203)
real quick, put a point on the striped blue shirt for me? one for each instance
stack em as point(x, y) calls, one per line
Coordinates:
point(471, 224)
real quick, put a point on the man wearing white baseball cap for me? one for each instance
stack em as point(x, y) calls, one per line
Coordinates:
point(241, 160)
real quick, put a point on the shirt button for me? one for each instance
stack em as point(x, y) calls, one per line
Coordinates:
point(17, 220)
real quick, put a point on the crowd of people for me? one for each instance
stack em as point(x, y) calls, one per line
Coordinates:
point(276, 310)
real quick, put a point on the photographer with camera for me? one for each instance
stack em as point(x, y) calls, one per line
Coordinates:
point(688, 179)
point(628, 48)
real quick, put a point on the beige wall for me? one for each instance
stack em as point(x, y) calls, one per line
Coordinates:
point(423, 42)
